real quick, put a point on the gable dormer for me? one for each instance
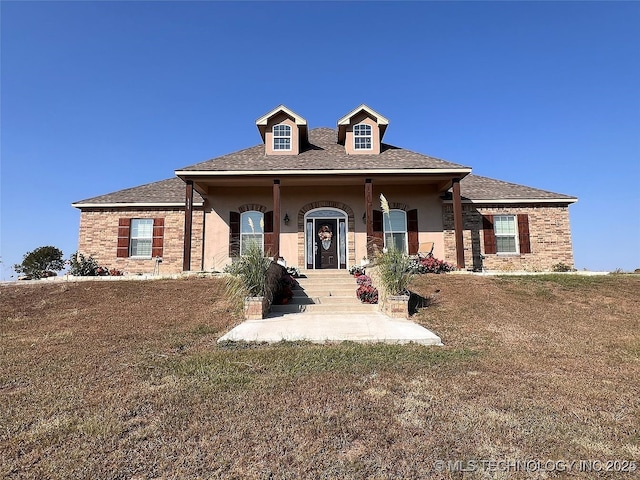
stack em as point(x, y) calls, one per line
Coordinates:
point(283, 131)
point(361, 131)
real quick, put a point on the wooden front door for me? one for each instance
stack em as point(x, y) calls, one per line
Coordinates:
point(326, 238)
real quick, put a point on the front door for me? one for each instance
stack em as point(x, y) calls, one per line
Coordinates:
point(326, 247)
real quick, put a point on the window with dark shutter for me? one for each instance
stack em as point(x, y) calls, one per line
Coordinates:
point(523, 233)
point(157, 244)
point(124, 226)
point(378, 229)
point(268, 233)
point(489, 234)
point(412, 231)
point(234, 234)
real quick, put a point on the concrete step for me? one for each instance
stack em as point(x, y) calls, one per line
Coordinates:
point(325, 292)
point(325, 308)
point(329, 300)
point(343, 280)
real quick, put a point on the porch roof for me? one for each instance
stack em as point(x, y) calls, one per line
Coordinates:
point(473, 188)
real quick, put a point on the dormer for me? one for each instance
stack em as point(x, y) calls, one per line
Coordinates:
point(283, 131)
point(361, 131)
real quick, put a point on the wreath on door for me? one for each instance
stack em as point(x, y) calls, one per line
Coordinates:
point(325, 235)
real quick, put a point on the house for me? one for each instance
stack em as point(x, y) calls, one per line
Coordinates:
point(312, 197)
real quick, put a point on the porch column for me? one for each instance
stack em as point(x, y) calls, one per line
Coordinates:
point(276, 218)
point(368, 202)
point(188, 222)
point(457, 223)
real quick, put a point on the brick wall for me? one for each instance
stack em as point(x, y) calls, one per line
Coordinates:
point(99, 238)
point(550, 237)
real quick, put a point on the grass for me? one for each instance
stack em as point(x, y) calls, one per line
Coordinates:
point(125, 380)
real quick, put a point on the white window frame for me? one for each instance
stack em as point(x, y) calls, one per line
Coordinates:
point(362, 136)
point(514, 235)
point(280, 132)
point(258, 228)
point(138, 238)
point(388, 231)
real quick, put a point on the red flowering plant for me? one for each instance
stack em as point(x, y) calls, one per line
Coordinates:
point(430, 265)
point(367, 294)
point(363, 280)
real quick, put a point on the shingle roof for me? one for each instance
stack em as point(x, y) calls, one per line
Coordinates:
point(169, 191)
point(477, 188)
point(322, 153)
point(472, 187)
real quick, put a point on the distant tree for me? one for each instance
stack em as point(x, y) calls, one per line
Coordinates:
point(36, 264)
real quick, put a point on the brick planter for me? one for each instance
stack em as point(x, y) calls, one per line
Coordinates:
point(397, 306)
point(255, 308)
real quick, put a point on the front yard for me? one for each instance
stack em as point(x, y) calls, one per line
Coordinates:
point(125, 380)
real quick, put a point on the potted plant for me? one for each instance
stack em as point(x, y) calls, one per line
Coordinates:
point(248, 280)
point(394, 274)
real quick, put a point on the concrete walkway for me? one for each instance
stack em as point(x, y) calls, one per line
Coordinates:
point(320, 328)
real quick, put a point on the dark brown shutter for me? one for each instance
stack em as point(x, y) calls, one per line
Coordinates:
point(523, 233)
point(268, 233)
point(124, 227)
point(378, 229)
point(157, 243)
point(412, 231)
point(234, 234)
point(489, 235)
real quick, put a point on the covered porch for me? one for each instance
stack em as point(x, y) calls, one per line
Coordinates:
point(320, 221)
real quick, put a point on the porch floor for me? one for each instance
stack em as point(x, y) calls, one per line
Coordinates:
point(373, 327)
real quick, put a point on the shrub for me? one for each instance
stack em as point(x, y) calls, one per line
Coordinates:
point(40, 262)
point(562, 267)
point(85, 267)
point(430, 265)
point(284, 292)
point(367, 294)
point(363, 280)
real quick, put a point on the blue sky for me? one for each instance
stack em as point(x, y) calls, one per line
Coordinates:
point(100, 96)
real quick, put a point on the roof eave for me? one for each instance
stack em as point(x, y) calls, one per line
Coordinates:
point(460, 172)
point(491, 201)
point(131, 204)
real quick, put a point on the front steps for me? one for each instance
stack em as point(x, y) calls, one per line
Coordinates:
point(330, 292)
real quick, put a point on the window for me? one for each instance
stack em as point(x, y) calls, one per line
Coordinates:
point(251, 230)
point(506, 233)
point(395, 230)
point(362, 137)
point(282, 137)
point(141, 237)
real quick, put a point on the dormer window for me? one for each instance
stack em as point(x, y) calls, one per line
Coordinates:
point(362, 137)
point(281, 137)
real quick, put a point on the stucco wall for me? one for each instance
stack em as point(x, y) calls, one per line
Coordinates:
point(362, 117)
point(282, 118)
point(295, 201)
point(549, 229)
point(99, 237)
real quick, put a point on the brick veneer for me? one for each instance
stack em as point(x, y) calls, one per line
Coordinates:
point(550, 237)
point(99, 236)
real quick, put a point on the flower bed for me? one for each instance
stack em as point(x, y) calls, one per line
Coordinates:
point(430, 265)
